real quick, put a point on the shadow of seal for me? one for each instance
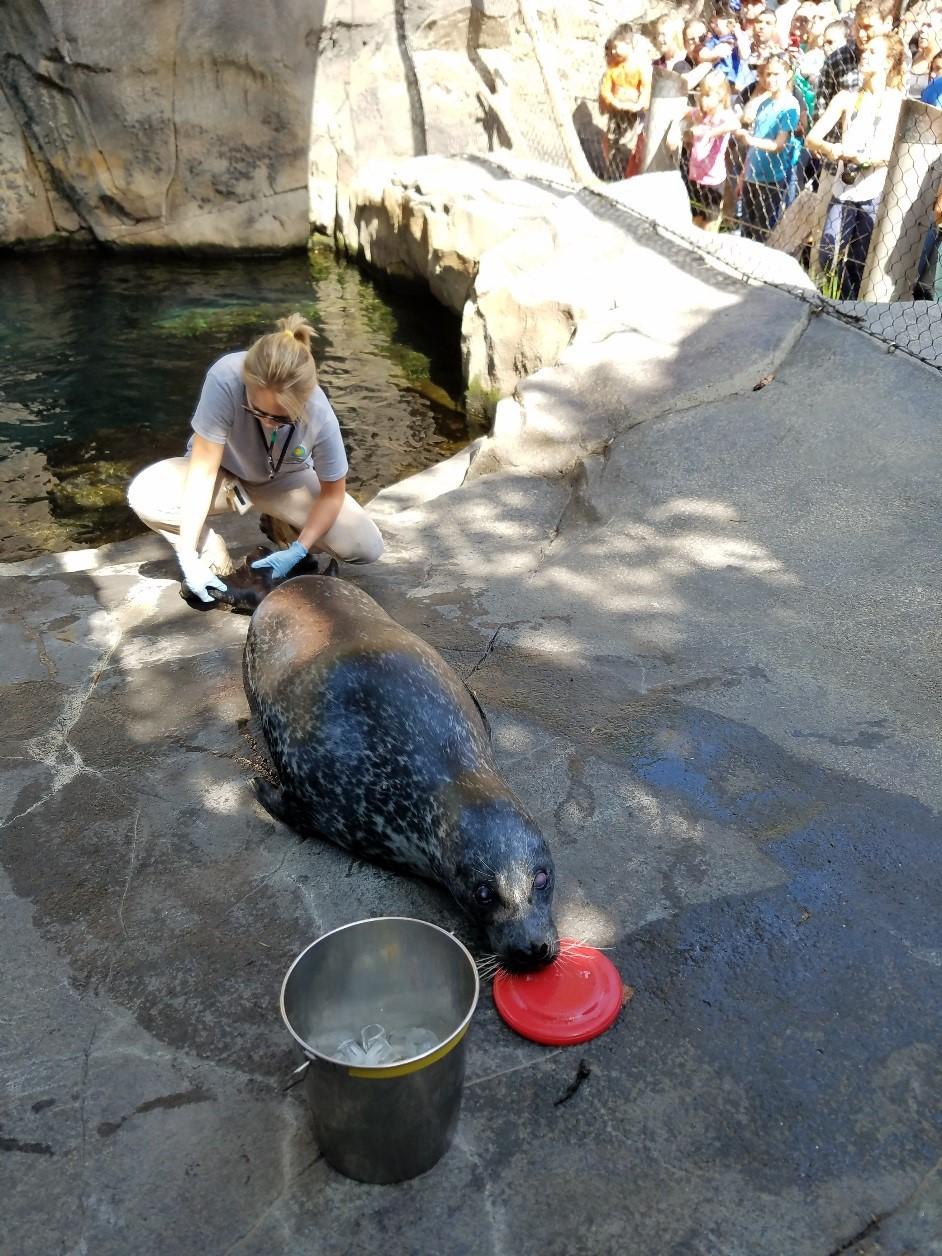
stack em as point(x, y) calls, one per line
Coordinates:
point(381, 749)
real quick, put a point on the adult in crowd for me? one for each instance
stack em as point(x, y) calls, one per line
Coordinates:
point(866, 119)
point(266, 438)
point(841, 70)
point(805, 63)
point(765, 37)
point(771, 149)
point(926, 43)
point(749, 11)
point(932, 92)
point(695, 34)
point(912, 16)
point(808, 30)
point(669, 43)
point(833, 38)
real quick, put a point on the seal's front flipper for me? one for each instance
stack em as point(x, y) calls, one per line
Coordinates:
point(281, 806)
point(273, 800)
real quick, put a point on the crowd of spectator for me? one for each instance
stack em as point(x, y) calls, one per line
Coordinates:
point(797, 102)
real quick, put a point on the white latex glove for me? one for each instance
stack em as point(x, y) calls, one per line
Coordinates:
point(198, 576)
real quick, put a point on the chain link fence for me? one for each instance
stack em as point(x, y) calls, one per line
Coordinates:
point(874, 260)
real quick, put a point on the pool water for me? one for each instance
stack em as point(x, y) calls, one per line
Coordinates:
point(102, 357)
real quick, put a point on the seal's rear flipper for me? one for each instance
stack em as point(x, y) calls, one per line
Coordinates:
point(246, 586)
point(196, 603)
point(332, 568)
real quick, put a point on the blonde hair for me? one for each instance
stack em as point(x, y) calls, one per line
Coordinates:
point(672, 24)
point(716, 83)
point(281, 362)
point(896, 59)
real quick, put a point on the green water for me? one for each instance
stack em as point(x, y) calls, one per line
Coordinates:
point(102, 358)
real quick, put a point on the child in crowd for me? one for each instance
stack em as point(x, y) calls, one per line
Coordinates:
point(624, 96)
point(727, 47)
point(708, 126)
point(771, 150)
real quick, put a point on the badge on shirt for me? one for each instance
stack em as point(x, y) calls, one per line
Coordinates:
point(299, 453)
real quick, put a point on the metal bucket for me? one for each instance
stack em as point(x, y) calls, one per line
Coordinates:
point(393, 1121)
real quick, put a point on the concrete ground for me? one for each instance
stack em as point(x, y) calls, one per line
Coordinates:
point(710, 658)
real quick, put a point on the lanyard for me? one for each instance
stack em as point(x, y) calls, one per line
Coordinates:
point(274, 467)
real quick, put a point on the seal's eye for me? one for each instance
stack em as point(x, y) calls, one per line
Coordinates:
point(541, 880)
point(484, 894)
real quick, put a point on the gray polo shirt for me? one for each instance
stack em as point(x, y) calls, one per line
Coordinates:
point(220, 418)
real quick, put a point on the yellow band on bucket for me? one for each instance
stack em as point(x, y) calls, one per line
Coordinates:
point(411, 1066)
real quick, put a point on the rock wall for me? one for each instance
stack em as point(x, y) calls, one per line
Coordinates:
point(145, 126)
point(214, 123)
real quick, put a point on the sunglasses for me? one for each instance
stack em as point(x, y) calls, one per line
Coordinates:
point(280, 419)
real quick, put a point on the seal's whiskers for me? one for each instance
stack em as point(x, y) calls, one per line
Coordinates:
point(488, 967)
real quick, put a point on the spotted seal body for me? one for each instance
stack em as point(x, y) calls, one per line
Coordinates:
point(381, 749)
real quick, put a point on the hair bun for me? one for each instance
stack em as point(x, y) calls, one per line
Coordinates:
point(298, 328)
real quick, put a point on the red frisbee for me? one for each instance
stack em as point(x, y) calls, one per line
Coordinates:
point(575, 998)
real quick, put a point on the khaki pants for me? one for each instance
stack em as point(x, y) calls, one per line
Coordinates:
point(156, 492)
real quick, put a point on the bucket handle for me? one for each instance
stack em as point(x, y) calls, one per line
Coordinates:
point(298, 1074)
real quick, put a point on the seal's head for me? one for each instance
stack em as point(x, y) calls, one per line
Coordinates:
point(504, 879)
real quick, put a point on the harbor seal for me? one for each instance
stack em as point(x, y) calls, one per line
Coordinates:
point(381, 749)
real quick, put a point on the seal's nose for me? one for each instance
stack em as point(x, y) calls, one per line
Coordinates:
point(534, 955)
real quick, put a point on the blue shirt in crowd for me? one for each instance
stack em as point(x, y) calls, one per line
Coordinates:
point(739, 73)
point(772, 118)
point(933, 93)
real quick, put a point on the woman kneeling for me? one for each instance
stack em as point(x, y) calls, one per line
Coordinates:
point(265, 437)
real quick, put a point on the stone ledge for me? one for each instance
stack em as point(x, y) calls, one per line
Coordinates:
point(554, 284)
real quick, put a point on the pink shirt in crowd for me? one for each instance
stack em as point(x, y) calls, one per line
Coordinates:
point(708, 155)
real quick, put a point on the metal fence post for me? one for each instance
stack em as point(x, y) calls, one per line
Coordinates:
point(668, 105)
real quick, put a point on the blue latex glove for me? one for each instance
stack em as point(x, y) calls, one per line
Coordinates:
point(282, 561)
